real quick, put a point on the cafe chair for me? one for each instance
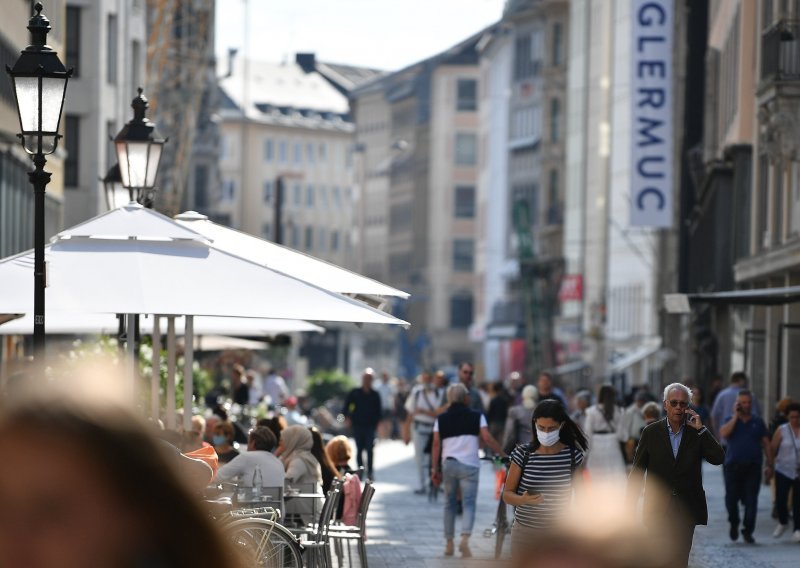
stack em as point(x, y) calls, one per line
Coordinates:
point(315, 541)
point(358, 532)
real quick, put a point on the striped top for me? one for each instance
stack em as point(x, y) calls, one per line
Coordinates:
point(550, 475)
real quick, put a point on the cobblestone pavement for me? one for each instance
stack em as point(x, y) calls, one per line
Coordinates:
point(405, 530)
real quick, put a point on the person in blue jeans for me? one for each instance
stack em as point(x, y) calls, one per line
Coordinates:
point(457, 434)
point(747, 436)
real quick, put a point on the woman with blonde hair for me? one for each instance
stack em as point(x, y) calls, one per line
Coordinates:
point(340, 453)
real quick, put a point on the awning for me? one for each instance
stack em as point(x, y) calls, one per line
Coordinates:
point(636, 356)
point(751, 297)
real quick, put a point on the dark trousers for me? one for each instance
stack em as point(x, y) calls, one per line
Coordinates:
point(365, 439)
point(742, 484)
point(782, 486)
point(683, 546)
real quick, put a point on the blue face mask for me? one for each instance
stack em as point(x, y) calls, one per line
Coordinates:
point(218, 440)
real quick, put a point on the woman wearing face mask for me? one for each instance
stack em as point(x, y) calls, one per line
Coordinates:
point(540, 480)
point(223, 442)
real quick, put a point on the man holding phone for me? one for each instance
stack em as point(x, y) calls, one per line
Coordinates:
point(747, 438)
point(672, 451)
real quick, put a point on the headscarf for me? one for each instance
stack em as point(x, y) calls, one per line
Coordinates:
point(297, 443)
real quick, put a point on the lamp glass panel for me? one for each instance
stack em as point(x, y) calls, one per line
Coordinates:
point(118, 196)
point(27, 89)
point(152, 164)
point(52, 100)
point(31, 144)
point(137, 164)
point(122, 159)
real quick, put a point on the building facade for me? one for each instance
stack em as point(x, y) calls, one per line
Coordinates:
point(524, 77)
point(106, 46)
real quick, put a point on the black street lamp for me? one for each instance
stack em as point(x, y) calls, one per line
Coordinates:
point(116, 195)
point(40, 83)
point(138, 153)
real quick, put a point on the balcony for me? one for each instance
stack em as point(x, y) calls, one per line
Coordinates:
point(780, 52)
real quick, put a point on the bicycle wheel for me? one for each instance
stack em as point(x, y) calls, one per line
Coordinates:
point(264, 544)
point(501, 528)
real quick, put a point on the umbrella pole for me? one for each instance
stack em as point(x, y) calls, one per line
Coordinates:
point(155, 376)
point(188, 376)
point(171, 372)
point(130, 320)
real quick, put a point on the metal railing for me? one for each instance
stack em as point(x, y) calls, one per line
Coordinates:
point(780, 52)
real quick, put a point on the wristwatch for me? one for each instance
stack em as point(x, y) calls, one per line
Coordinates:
point(702, 430)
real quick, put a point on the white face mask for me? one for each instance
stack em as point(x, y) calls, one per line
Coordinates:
point(548, 438)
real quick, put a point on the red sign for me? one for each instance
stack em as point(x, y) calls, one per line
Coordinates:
point(571, 288)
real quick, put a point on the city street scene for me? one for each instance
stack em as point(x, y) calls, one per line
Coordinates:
point(371, 283)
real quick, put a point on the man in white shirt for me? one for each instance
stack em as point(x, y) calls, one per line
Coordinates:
point(422, 406)
point(457, 434)
point(275, 388)
point(259, 456)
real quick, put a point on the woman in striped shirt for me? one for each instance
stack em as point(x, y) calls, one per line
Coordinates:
point(540, 480)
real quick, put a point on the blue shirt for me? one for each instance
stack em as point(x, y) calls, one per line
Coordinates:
point(744, 443)
point(675, 439)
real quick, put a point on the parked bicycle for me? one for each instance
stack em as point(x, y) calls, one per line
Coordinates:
point(501, 527)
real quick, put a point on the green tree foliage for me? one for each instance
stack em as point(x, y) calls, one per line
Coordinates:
point(326, 385)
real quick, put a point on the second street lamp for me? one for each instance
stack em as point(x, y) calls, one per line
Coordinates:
point(40, 83)
point(138, 153)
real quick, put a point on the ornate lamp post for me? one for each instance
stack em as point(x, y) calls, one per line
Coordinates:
point(40, 83)
point(138, 153)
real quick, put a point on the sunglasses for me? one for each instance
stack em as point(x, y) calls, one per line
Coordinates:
point(681, 403)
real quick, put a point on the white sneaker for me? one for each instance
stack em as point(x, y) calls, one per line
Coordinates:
point(796, 536)
point(779, 530)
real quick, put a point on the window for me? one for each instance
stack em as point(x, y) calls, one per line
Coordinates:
point(283, 151)
point(111, 149)
point(467, 95)
point(337, 197)
point(228, 190)
point(323, 195)
point(111, 49)
point(323, 152)
point(465, 202)
point(309, 238)
point(461, 311)
point(295, 236)
point(297, 194)
point(136, 63)
point(527, 55)
point(558, 53)
point(200, 187)
point(334, 241)
point(466, 149)
point(298, 153)
point(72, 135)
point(310, 153)
point(268, 192)
point(555, 120)
point(266, 231)
point(553, 201)
point(73, 40)
point(526, 123)
point(463, 255)
point(268, 150)
point(310, 196)
point(322, 240)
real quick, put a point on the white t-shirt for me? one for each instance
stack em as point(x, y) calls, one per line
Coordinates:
point(463, 448)
point(243, 466)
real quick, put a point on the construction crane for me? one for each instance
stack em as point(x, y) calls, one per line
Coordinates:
point(535, 288)
point(180, 68)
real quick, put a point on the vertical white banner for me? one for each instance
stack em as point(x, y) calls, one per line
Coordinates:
point(651, 105)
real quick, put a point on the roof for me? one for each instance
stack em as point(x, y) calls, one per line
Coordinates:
point(347, 77)
point(681, 303)
point(283, 93)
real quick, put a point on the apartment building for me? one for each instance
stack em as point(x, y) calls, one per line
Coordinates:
point(521, 189)
point(106, 46)
point(417, 136)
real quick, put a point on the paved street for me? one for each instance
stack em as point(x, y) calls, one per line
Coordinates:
point(405, 530)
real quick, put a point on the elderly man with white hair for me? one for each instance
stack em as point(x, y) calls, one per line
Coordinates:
point(672, 451)
point(457, 434)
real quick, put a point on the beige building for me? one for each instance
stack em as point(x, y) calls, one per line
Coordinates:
point(295, 127)
point(417, 135)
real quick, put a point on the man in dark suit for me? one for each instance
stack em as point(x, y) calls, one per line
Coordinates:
point(672, 451)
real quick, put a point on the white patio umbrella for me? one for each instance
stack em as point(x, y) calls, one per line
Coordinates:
point(289, 261)
point(136, 261)
point(107, 324)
